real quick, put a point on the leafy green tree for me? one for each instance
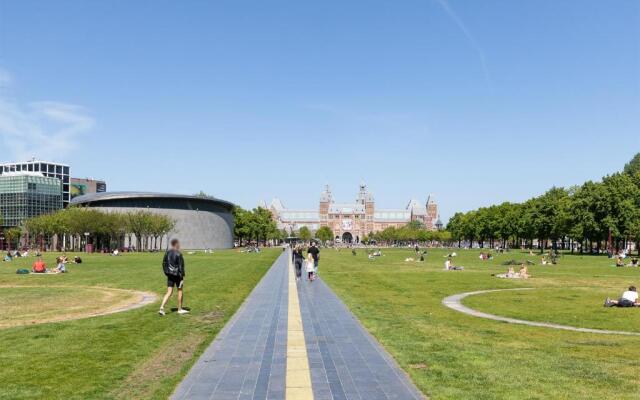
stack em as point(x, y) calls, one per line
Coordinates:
point(325, 234)
point(12, 236)
point(633, 166)
point(305, 234)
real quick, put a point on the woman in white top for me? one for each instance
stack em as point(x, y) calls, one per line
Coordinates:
point(309, 267)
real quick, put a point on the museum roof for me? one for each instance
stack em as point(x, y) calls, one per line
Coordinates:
point(107, 196)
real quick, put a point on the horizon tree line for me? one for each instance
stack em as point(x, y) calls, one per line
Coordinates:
point(590, 217)
point(75, 227)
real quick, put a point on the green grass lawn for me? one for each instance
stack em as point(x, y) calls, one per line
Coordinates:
point(450, 355)
point(133, 354)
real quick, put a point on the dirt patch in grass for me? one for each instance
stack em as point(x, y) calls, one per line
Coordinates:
point(418, 366)
point(30, 305)
point(164, 364)
point(216, 315)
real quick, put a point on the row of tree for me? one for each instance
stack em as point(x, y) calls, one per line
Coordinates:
point(413, 232)
point(73, 228)
point(587, 217)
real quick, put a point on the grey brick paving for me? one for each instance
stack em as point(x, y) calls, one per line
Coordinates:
point(346, 362)
point(247, 360)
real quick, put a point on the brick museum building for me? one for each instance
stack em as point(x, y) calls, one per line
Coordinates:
point(352, 221)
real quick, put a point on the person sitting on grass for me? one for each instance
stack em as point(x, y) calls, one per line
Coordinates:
point(77, 260)
point(7, 257)
point(619, 262)
point(448, 266)
point(634, 262)
point(628, 299)
point(524, 271)
point(39, 267)
point(60, 267)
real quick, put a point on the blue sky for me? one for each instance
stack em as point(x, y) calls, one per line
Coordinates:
point(477, 102)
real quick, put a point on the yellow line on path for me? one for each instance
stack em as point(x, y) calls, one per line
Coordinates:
point(298, 379)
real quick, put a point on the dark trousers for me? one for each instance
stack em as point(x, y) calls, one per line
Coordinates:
point(298, 265)
point(625, 303)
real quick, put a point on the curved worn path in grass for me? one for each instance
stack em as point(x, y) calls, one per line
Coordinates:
point(135, 299)
point(455, 303)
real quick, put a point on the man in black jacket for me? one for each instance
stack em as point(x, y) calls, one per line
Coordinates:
point(173, 267)
point(315, 253)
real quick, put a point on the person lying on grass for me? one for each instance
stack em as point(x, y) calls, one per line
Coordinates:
point(628, 299)
point(39, 267)
point(511, 273)
point(448, 266)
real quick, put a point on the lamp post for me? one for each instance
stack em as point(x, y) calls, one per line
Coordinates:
point(86, 241)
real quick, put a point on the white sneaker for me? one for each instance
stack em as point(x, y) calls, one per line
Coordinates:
point(183, 311)
point(161, 312)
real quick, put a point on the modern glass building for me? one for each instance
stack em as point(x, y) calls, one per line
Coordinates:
point(27, 194)
point(46, 168)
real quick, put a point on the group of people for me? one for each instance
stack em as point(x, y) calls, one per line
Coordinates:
point(523, 273)
point(39, 267)
point(310, 262)
point(620, 262)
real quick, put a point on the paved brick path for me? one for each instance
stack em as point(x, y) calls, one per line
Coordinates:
point(346, 362)
point(248, 359)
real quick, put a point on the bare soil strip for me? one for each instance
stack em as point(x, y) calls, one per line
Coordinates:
point(117, 300)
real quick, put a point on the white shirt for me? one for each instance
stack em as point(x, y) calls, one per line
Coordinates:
point(631, 296)
point(447, 265)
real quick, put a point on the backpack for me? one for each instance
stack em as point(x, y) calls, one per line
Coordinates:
point(22, 271)
point(168, 267)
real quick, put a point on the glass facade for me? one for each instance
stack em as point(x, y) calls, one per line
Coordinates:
point(26, 196)
point(49, 169)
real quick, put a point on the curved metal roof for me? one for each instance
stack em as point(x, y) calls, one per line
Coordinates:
point(107, 196)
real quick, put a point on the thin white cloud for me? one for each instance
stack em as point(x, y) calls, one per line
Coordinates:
point(467, 33)
point(44, 129)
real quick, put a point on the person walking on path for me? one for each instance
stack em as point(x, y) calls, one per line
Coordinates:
point(173, 267)
point(298, 260)
point(315, 253)
point(309, 267)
